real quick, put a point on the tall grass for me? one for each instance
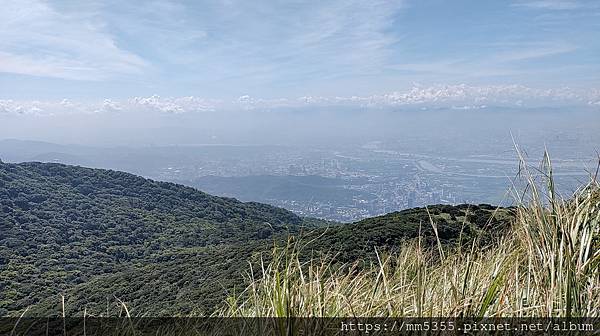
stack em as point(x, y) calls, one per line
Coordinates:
point(547, 265)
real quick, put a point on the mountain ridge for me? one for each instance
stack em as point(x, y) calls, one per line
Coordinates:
point(165, 248)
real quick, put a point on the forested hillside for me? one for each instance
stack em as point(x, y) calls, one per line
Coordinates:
point(454, 224)
point(62, 225)
point(99, 236)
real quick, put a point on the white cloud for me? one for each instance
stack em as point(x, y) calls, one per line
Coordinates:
point(171, 105)
point(348, 33)
point(267, 41)
point(532, 52)
point(460, 96)
point(109, 105)
point(36, 108)
point(37, 39)
point(503, 62)
point(550, 4)
point(449, 96)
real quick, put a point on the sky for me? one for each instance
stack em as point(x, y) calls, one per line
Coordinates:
point(171, 72)
point(241, 51)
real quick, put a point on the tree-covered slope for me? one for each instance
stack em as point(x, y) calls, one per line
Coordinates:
point(453, 223)
point(98, 236)
point(62, 225)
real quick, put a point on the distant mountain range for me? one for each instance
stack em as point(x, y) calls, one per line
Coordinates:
point(96, 236)
point(142, 161)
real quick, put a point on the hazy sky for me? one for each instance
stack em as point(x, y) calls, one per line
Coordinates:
point(234, 50)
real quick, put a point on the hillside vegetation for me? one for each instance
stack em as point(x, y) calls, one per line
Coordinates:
point(102, 238)
point(62, 225)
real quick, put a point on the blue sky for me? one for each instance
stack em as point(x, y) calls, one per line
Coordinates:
point(96, 50)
